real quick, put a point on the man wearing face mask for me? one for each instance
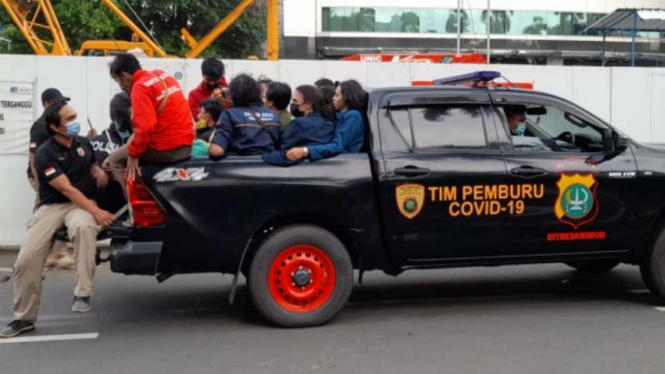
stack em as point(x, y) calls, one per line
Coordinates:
point(212, 86)
point(118, 132)
point(68, 177)
point(516, 117)
point(38, 135)
point(111, 198)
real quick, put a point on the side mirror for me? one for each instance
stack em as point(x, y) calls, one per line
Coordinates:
point(618, 143)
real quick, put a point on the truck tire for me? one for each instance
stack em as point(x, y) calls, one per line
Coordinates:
point(301, 276)
point(593, 266)
point(653, 264)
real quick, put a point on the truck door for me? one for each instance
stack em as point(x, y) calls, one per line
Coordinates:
point(580, 200)
point(441, 160)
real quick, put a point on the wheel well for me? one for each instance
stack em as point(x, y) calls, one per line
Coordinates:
point(652, 235)
point(325, 222)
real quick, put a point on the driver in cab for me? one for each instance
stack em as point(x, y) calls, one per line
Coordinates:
point(516, 117)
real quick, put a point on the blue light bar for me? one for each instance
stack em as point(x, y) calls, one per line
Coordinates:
point(478, 76)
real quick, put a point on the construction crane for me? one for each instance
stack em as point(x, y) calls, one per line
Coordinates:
point(31, 15)
point(197, 47)
point(146, 43)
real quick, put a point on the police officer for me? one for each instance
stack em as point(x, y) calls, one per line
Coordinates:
point(68, 175)
point(516, 117)
point(115, 136)
point(38, 135)
point(118, 133)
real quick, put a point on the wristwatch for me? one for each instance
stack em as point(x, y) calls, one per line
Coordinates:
point(306, 151)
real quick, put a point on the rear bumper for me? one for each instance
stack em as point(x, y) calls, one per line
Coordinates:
point(135, 258)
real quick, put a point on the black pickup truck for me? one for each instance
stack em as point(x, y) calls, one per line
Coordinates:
point(444, 184)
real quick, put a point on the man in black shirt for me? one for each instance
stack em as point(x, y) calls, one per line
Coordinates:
point(38, 135)
point(38, 132)
point(68, 176)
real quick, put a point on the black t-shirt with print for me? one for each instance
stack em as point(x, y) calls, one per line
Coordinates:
point(53, 159)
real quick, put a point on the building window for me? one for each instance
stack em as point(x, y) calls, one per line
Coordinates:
point(474, 21)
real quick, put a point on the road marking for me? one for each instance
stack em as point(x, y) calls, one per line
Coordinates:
point(6, 270)
point(660, 308)
point(50, 338)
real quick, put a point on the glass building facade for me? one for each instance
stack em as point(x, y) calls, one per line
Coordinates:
point(474, 21)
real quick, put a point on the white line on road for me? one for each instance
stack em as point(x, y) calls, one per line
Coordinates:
point(660, 308)
point(6, 270)
point(50, 338)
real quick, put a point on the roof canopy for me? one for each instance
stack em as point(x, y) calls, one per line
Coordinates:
point(627, 19)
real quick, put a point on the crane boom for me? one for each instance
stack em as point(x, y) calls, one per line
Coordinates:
point(135, 29)
point(26, 16)
point(197, 47)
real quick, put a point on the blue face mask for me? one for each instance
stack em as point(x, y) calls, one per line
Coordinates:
point(520, 130)
point(73, 128)
point(124, 135)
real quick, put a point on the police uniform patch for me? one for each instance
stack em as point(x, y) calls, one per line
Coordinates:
point(81, 152)
point(410, 199)
point(577, 203)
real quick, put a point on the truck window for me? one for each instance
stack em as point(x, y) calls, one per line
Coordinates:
point(448, 127)
point(402, 123)
point(551, 129)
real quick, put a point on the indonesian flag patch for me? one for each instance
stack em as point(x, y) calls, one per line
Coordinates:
point(33, 145)
point(49, 171)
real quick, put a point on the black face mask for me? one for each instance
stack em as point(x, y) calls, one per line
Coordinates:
point(295, 110)
point(212, 86)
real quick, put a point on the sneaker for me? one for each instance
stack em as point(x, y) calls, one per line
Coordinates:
point(81, 304)
point(15, 328)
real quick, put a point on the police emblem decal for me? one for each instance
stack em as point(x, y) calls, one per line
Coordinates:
point(81, 152)
point(577, 203)
point(410, 199)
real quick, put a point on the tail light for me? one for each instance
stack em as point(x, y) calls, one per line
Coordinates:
point(146, 211)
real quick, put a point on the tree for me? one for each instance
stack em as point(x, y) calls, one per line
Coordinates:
point(91, 20)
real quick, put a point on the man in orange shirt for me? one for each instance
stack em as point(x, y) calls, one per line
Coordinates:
point(163, 124)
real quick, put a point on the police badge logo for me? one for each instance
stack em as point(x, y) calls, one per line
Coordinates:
point(577, 203)
point(81, 152)
point(410, 199)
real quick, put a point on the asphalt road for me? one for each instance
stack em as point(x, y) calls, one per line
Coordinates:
point(520, 319)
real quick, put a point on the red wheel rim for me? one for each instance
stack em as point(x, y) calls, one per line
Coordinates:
point(301, 278)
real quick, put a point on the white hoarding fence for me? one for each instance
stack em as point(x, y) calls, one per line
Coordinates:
point(17, 114)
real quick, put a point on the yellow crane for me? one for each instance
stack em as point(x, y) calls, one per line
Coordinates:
point(29, 16)
point(197, 47)
point(32, 15)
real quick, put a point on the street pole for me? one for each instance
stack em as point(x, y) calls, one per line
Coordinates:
point(459, 25)
point(488, 24)
point(632, 44)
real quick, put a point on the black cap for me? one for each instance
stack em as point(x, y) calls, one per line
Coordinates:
point(51, 94)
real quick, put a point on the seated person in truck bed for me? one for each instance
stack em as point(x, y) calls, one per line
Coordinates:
point(308, 128)
point(351, 101)
point(248, 128)
point(207, 118)
point(278, 97)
